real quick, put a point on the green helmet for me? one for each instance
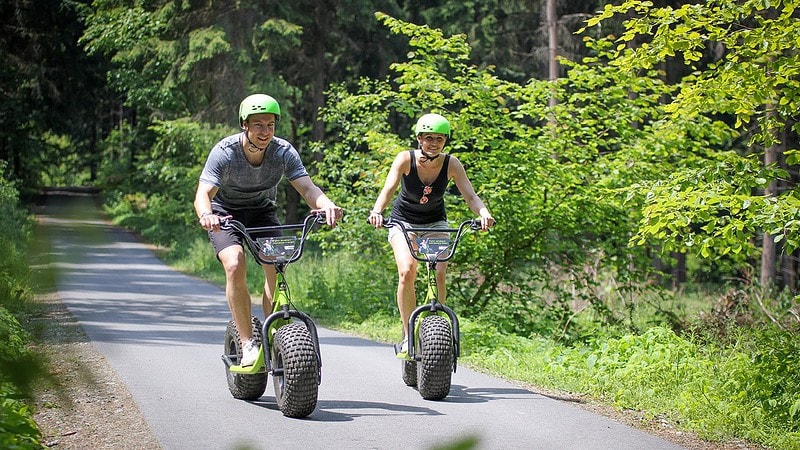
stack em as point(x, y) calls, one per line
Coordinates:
point(432, 123)
point(258, 104)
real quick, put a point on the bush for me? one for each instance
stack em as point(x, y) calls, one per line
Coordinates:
point(16, 226)
point(18, 430)
point(344, 287)
point(19, 367)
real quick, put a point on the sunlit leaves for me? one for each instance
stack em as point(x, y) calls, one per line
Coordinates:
point(718, 209)
point(112, 26)
point(756, 72)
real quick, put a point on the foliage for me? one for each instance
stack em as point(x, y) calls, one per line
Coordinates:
point(189, 59)
point(754, 81)
point(18, 430)
point(773, 383)
point(148, 64)
point(510, 34)
point(16, 224)
point(50, 88)
point(177, 155)
point(703, 210)
point(335, 288)
point(160, 207)
point(556, 178)
point(19, 367)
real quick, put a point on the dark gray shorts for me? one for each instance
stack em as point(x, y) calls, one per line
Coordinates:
point(261, 217)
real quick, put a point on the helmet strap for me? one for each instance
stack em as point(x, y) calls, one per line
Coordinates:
point(426, 157)
point(253, 145)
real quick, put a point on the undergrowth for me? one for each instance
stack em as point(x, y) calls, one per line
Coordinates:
point(19, 366)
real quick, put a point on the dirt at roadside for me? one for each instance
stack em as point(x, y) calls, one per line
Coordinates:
point(89, 407)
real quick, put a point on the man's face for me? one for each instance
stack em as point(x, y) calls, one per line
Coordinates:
point(260, 128)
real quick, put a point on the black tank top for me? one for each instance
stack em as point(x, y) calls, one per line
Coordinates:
point(408, 206)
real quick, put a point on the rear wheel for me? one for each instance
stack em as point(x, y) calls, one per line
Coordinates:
point(243, 386)
point(295, 370)
point(435, 369)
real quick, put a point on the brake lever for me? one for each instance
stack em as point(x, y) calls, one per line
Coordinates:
point(225, 222)
point(475, 224)
point(320, 217)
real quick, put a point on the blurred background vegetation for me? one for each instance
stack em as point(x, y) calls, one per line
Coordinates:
point(640, 157)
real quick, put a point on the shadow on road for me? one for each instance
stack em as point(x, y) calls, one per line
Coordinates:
point(347, 410)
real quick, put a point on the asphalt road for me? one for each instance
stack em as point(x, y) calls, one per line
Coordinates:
point(162, 331)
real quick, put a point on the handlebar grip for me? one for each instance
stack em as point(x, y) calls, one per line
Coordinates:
point(387, 222)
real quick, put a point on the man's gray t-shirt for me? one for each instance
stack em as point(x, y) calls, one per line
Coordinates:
point(243, 185)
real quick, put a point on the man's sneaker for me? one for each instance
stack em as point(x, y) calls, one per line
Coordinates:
point(401, 349)
point(249, 353)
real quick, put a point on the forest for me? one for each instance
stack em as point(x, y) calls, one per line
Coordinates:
point(641, 159)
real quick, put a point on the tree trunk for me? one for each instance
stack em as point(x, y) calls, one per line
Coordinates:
point(789, 271)
point(321, 72)
point(768, 256)
point(552, 45)
point(94, 154)
point(768, 247)
point(679, 271)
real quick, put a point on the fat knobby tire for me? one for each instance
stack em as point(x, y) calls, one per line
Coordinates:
point(435, 369)
point(243, 386)
point(295, 370)
point(409, 369)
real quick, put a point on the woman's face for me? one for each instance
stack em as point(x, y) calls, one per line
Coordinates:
point(431, 143)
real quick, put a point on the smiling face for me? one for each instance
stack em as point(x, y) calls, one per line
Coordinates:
point(431, 143)
point(260, 128)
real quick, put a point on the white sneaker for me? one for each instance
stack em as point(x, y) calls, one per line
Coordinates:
point(401, 350)
point(249, 353)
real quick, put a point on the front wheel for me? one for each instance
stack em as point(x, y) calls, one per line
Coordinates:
point(243, 386)
point(409, 369)
point(435, 368)
point(295, 370)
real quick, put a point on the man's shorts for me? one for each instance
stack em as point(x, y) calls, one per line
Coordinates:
point(261, 217)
